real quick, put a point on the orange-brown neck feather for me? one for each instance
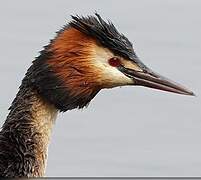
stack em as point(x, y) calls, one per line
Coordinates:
point(71, 63)
point(72, 69)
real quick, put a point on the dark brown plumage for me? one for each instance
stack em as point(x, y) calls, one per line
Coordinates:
point(20, 140)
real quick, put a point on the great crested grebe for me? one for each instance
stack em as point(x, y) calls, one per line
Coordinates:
point(87, 55)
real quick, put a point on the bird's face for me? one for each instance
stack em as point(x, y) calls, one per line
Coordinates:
point(114, 57)
point(87, 56)
point(105, 65)
point(115, 71)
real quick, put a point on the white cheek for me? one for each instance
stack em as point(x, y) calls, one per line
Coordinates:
point(115, 77)
point(111, 75)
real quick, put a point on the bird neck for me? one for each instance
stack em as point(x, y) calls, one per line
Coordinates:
point(25, 135)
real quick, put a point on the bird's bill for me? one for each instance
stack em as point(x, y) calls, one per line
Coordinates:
point(148, 78)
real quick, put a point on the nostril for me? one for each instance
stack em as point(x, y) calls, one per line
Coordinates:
point(115, 62)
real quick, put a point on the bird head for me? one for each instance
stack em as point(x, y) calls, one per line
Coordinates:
point(87, 55)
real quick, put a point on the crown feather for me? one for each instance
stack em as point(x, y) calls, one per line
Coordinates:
point(105, 33)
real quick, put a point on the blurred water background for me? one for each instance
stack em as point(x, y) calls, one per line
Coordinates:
point(129, 131)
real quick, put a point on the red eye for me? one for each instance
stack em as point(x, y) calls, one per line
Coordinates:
point(115, 62)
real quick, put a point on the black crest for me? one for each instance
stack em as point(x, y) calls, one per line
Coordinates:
point(105, 33)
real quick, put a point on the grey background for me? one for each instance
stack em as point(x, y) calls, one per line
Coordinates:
point(129, 131)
